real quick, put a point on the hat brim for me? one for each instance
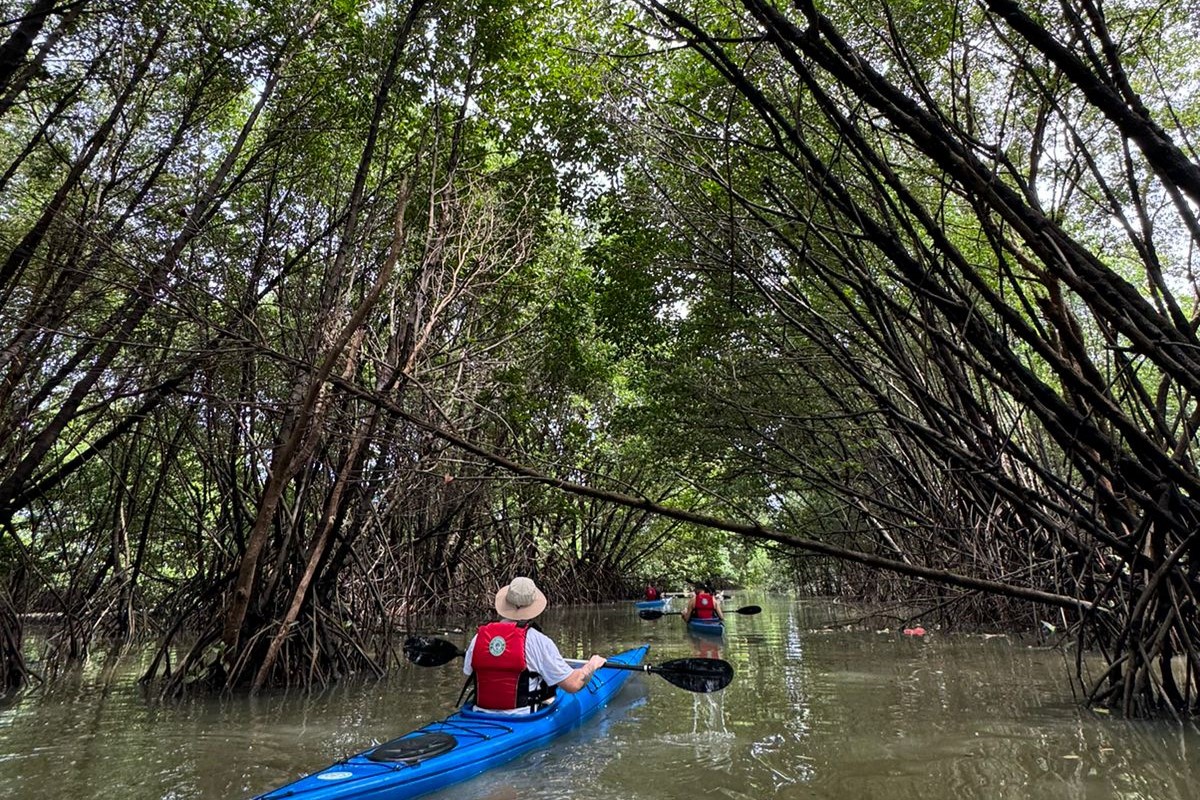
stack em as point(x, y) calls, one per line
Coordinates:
point(518, 613)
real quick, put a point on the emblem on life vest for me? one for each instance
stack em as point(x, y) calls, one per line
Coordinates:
point(496, 646)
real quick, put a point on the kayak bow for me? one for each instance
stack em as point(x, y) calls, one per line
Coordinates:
point(456, 748)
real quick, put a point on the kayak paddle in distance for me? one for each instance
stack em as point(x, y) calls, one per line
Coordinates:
point(701, 675)
point(650, 613)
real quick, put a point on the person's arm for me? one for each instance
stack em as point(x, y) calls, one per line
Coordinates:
point(467, 668)
point(689, 608)
point(579, 677)
point(717, 606)
point(542, 656)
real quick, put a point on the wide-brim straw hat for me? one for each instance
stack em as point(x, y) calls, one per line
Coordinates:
point(520, 600)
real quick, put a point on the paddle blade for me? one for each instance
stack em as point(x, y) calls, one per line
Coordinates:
point(701, 675)
point(748, 610)
point(428, 651)
point(649, 613)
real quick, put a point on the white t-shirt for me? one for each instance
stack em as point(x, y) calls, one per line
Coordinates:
point(541, 656)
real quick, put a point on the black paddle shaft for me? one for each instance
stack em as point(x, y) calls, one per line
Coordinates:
point(701, 675)
point(650, 613)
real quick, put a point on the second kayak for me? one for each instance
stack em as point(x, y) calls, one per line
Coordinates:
point(459, 747)
point(659, 604)
point(712, 627)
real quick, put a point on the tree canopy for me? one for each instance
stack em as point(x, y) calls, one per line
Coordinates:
point(320, 316)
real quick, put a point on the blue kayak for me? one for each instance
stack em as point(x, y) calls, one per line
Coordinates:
point(457, 748)
point(651, 604)
point(712, 627)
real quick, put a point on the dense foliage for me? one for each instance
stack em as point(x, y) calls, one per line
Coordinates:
point(319, 316)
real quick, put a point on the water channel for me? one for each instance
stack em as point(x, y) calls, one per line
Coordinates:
point(813, 712)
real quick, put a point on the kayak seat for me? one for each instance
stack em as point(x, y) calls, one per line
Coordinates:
point(413, 749)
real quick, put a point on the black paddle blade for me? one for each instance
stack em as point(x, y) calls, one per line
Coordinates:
point(649, 613)
point(428, 651)
point(748, 610)
point(701, 675)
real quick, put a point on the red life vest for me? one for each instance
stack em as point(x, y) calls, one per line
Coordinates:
point(501, 675)
point(703, 607)
point(651, 593)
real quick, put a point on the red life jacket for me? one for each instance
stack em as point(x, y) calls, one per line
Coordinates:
point(651, 593)
point(501, 675)
point(703, 607)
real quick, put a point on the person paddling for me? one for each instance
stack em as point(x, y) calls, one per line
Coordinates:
point(652, 592)
point(703, 604)
point(517, 668)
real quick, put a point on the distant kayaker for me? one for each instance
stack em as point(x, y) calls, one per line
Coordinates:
point(703, 604)
point(652, 592)
point(517, 668)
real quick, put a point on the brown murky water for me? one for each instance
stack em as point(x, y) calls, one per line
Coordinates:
point(811, 714)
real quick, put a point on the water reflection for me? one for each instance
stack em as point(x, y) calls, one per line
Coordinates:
point(814, 712)
point(705, 645)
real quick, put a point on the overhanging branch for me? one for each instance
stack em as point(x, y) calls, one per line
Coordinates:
point(752, 530)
